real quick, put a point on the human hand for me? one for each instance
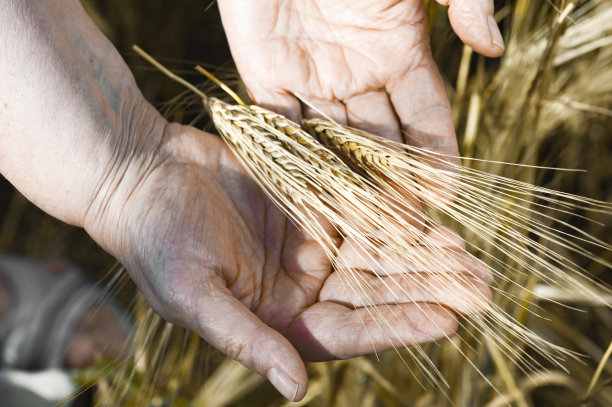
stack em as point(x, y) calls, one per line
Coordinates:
point(366, 63)
point(212, 253)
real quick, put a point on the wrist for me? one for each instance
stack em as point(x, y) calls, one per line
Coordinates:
point(153, 193)
point(117, 192)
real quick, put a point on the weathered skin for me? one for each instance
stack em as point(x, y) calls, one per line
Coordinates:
point(366, 63)
point(204, 245)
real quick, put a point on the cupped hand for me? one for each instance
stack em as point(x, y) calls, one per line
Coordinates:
point(366, 63)
point(213, 254)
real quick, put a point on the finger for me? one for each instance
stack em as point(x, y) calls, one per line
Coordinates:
point(420, 100)
point(462, 294)
point(422, 259)
point(224, 322)
point(332, 331)
point(474, 23)
point(280, 102)
point(324, 109)
point(373, 112)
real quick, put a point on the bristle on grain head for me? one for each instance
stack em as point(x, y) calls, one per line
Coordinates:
point(504, 216)
point(398, 254)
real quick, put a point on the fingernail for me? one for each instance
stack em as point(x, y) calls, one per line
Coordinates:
point(496, 37)
point(283, 384)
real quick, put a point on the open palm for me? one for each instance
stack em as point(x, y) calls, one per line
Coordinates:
point(363, 62)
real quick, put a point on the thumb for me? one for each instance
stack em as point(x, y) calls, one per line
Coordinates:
point(473, 22)
point(224, 322)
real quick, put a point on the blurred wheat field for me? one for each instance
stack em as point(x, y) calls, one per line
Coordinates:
point(547, 101)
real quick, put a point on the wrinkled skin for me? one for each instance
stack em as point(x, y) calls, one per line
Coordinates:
point(363, 62)
point(206, 247)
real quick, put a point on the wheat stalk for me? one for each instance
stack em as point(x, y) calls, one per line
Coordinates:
point(341, 173)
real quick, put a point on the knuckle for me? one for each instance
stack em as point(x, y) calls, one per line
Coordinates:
point(236, 350)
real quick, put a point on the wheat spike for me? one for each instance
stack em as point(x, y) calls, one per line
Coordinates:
point(307, 175)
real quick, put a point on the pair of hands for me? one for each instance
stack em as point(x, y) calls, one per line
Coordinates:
point(206, 247)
